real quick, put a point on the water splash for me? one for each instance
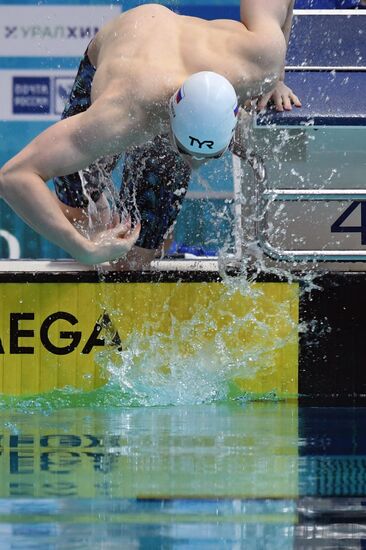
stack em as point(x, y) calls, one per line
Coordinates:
point(208, 350)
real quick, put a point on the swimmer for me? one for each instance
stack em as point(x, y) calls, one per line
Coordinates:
point(163, 89)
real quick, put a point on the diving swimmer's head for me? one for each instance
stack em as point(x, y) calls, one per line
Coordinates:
point(203, 115)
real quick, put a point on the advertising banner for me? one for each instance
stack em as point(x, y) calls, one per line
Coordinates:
point(34, 95)
point(59, 31)
point(66, 334)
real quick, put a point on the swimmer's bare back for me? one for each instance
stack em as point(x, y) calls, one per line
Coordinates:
point(155, 50)
point(141, 58)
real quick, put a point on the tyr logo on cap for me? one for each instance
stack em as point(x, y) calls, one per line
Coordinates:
point(208, 144)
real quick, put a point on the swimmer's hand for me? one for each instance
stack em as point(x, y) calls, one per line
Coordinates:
point(282, 97)
point(111, 244)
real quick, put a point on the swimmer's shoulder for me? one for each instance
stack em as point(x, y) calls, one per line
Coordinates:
point(145, 10)
point(118, 31)
point(150, 8)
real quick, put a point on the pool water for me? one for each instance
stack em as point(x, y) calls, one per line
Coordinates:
point(240, 474)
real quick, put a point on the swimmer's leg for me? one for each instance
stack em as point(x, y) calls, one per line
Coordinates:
point(155, 182)
point(88, 223)
point(85, 197)
point(88, 198)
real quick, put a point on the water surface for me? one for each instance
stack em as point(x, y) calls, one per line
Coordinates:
point(240, 474)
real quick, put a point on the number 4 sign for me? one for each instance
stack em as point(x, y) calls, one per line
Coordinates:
point(338, 227)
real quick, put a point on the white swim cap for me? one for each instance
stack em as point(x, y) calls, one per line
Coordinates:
point(203, 115)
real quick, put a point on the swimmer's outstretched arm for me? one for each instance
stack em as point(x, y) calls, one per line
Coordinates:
point(266, 17)
point(66, 147)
